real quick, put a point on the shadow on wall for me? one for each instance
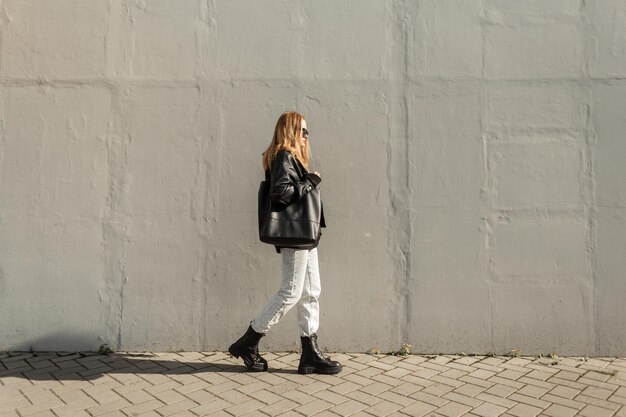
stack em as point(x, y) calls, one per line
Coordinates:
point(67, 340)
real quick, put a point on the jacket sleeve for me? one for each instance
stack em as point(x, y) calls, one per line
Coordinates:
point(285, 188)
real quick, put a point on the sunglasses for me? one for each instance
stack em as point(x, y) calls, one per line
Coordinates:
point(305, 132)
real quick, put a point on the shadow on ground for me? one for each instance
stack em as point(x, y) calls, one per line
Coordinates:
point(67, 366)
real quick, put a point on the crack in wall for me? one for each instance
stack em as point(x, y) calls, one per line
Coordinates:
point(115, 225)
point(398, 161)
point(487, 190)
point(199, 213)
point(589, 185)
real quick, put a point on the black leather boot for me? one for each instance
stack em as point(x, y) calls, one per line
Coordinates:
point(312, 360)
point(247, 347)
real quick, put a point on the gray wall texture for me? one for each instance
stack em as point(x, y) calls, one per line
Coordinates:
point(473, 155)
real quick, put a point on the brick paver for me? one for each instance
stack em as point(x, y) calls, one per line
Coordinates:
point(212, 383)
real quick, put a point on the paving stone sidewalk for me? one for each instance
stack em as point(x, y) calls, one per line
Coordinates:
point(212, 383)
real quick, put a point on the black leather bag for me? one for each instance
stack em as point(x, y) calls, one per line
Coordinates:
point(296, 225)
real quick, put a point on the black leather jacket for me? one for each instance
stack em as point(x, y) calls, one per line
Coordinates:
point(290, 181)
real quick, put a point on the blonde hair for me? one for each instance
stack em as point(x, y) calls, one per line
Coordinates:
point(287, 137)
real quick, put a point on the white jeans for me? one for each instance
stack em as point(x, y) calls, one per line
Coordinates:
point(301, 287)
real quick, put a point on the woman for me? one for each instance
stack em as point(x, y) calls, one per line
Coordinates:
point(285, 162)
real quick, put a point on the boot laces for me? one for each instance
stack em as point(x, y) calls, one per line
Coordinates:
point(316, 348)
point(254, 352)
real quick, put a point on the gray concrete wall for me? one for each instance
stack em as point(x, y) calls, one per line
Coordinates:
point(473, 157)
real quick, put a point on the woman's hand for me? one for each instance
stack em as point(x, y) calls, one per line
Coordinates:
point(314, 178)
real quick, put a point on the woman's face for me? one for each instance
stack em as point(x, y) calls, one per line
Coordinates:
point(303, 138)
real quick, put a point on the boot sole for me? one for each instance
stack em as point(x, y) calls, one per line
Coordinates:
point(306, 370)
